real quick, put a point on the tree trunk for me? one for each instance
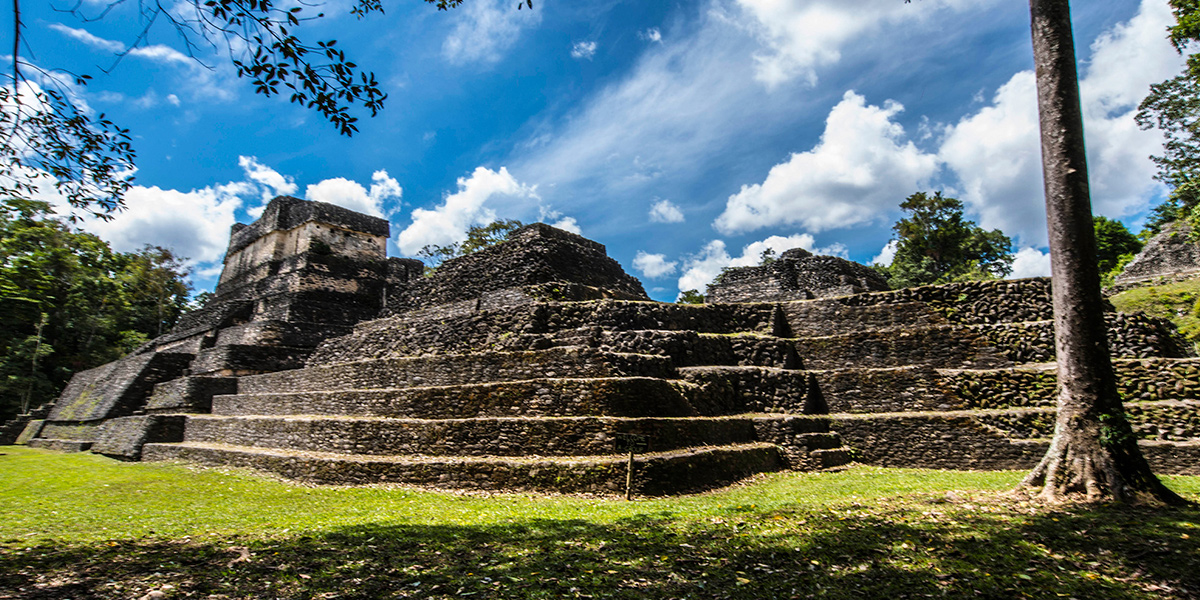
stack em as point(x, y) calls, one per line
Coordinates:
point(1094, 450)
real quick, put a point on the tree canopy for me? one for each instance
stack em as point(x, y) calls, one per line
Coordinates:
point(936, 244)
point(478, 238)
point(48, 140)
point(1115, 244)
point(71, 303)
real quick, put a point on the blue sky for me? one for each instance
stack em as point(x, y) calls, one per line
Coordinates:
point(686, 136)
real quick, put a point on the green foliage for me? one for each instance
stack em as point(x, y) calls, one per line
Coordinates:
point(690, 297)
point(71, 303)
point(1178, 302)
point(478, 238)
point(1173, 107)
point(935, 244)
point(861, 533)
point(1113, 241)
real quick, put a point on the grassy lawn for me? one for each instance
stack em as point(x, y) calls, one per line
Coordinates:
point(82, 526)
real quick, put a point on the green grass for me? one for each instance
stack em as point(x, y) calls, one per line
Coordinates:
point(81, 526)
point(1178, 302)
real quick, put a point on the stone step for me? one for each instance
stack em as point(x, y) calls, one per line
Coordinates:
point(59, 445)
point(189, 394)
point(237, 359)
point(829, 458)
point(520, 328)
point(742, 389)
point(925, 388)
point(946, 346)
point(458, 369)
point(688, 348)
point(613, 397)
point(692, 469)
point(557, 436)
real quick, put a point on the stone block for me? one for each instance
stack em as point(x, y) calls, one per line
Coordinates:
point(32, 429)
point(124, 437)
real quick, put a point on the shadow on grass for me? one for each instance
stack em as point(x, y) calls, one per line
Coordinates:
point(919, 549)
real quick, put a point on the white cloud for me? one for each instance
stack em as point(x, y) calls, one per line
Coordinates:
point(653, 266)
point(485, 29)
point(173, 100)
point(1002, 179)
point(88, 38)
point(1030, 262)
point(887, 254)
point(665, 211)
point(352, 195)
point(700, 269)
point(802, 35)
point(850, 177)
point(193, 224)
point(273, 183)
point(160, 53)
point(652, 35)
point(448, 222)
point(568, 224)
point(583, 50)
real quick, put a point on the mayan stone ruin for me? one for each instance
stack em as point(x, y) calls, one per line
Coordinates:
point(530, 364)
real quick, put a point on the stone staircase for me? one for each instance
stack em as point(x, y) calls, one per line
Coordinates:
point(538, 397)
point(962, 376)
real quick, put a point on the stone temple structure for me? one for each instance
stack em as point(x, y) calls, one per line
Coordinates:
point(796, 275)
point(531, 365)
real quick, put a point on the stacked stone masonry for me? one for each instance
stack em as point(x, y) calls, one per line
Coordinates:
point(538, 364)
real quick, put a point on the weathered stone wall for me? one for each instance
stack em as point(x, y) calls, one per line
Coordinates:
point(796, 275)
point(124, 437)
point(608, 397)
point(934, 441)
point(534, 254)
point(1170, 253)
point(940, 346)
point(291, 226)
point(574, 362)
point(116, 389)
point(653, 474)
point(485, 436)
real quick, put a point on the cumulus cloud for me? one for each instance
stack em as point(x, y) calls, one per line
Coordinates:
point(850, 177)
point(1001, 180)
point(665, 211)
point(272, 182)
point(194, 224)
point(485, 29)
point(802, 35)
point(448, 222)
point(887, 254)
point(700, 269)
point(652, 35)
point(1030, 262)
point(583, 50)
point(653, 266)
point(352, 195)
point(568, 224)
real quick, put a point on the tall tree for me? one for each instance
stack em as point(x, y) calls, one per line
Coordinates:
point(1114, 243)
point(935, 244)
point(71, 303)
point(1094, 450)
